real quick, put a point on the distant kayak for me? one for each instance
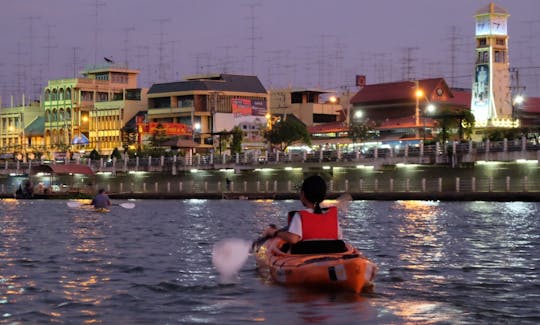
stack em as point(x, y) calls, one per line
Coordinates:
point(332, 265)
point(89, 207)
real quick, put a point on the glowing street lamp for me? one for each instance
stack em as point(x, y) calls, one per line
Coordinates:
point(419, 93)
point(430, 108)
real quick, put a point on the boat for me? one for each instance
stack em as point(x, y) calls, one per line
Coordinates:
point(89, 207)
point(329, 264)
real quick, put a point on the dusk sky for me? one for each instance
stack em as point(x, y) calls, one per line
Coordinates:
point(298, 43)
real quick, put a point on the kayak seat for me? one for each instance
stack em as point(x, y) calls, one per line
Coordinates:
point(318, 247)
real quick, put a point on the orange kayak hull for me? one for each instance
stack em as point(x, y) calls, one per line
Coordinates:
point(349, 270)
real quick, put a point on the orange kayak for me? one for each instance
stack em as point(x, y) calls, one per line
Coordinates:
point(346, 269)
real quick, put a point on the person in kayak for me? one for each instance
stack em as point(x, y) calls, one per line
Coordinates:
point(313, 224)
point(101, 200)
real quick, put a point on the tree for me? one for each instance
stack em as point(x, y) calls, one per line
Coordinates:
point(116, 154)
point(236, 142)
point(159, 135)
point(449, 119)
point(94, 155)
point(360, 131)
point(286, 132)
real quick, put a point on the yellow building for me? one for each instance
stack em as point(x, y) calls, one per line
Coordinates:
point(89, 112)
point(15, 137)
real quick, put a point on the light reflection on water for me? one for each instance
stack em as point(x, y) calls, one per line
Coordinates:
point(439, 263)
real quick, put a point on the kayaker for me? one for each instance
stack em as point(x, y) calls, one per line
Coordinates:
point(101, 200)
point(312, 223)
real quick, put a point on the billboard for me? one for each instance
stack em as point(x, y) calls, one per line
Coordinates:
point(170, 128)
point(481, 93)
point(248, 107)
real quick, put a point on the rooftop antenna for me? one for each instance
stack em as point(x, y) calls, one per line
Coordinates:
point(199, 65)
point(143, 56)
point(49, 48)
point(252, 38)
point(161, 49)
point(21, 71)
point(408, 60)
point(30, 47)
point(173, 69)
point(97, 4)
point(75, 60)
point(126, 43)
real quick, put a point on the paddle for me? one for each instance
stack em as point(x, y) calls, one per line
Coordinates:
point(127, 205)
point(230, 254)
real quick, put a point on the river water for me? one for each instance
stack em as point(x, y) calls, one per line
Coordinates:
point(439, 263)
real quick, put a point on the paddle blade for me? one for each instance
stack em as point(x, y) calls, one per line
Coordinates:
point(73, 204)
point(127, 205)
point(228, 257)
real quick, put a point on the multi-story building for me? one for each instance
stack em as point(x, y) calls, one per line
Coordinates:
point(201, 108)
point(89, 112)
point(320, 110)
point(18, 126)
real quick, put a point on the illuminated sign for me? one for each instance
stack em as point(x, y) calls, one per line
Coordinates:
point(248, 107)
point(169, 128)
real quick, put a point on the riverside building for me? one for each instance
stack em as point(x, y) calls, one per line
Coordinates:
point(90, 111)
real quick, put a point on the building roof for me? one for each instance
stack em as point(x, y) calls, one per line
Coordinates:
point(491, 8)
point(36, 128)
point(63, 169)
point(462, 97)
point(531, 105)
point(396, 91)
point(222, 82)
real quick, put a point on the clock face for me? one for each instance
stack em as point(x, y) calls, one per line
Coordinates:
point(482, 25)
point(439, 92)
point(498, 25)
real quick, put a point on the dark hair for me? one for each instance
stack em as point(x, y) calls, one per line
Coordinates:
point(101, 190)
point(314, 188)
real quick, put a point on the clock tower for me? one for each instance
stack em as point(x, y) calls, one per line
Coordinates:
point(491, 99)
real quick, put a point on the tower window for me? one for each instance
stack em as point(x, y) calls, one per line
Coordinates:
point(500, 56)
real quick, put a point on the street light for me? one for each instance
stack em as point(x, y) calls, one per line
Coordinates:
point(430, 108)
point(419, 93)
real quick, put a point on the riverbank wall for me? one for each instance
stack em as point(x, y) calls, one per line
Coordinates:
point(487, 181)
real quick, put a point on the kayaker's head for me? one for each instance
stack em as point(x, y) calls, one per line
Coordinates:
point(313, 192)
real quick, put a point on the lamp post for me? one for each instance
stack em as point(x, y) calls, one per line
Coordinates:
point(430, 108)
point(419, 93)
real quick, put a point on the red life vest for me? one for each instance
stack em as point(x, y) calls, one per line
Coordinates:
point(319, 226)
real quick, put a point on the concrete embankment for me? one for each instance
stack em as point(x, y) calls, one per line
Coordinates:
point(431, 196)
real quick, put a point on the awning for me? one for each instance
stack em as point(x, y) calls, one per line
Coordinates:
point(80, 139)
point(60, 169)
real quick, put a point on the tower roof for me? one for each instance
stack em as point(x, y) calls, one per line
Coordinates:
point(492, 8)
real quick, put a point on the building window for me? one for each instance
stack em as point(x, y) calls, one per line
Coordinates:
point(482, 42)
point(500, 41)
point(87, 96)
point(102, 97)
point(500, 56)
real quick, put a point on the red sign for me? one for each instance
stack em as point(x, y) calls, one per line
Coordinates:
point(241, 106)
point(170, 128)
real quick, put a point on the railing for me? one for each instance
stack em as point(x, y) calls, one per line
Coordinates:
point(439, 185)
point(453, 154)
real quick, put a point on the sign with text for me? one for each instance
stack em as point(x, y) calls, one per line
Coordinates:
point(169, 128)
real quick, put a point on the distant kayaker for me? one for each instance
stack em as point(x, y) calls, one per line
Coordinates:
point(312, 223)
point(101, 200)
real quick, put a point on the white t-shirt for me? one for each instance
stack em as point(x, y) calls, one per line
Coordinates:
point(295, 226)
